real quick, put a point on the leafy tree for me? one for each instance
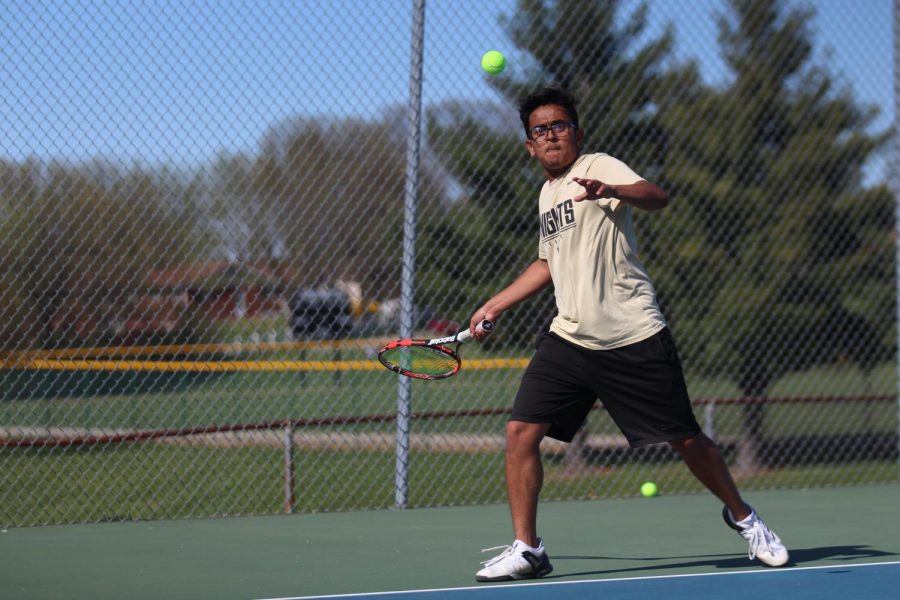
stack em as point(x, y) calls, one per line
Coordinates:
point(779, 257)
point(76, 240)
point(323, 201)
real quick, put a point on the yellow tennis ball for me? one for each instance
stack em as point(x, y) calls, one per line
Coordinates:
point(648, 489)
point(493, 62)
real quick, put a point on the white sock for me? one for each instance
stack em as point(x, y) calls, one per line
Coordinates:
point(743, 524)
point(538, 550)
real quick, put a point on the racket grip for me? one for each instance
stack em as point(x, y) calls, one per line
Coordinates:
point(486, 326)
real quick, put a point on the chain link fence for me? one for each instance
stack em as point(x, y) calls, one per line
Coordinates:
point(202, 211)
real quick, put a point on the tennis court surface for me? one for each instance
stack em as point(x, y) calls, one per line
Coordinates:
point(844, 542)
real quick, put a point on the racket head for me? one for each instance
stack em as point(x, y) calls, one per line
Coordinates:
point(418, 359)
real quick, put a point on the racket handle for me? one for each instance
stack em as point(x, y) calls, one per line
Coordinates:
point(485, 327)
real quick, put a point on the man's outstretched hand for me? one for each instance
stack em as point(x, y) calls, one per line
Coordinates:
point(594, 190)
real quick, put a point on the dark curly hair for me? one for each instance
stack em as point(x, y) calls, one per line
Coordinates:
point(544, 96)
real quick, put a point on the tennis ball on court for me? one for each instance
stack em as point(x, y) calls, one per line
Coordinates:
point(648, 489)
point(493, 62)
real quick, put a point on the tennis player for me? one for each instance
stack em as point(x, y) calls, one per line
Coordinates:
point(609, 339)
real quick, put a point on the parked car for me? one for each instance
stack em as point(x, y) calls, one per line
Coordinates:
point(320, 313)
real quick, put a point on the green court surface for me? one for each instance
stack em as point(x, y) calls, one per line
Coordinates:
point(439, 548)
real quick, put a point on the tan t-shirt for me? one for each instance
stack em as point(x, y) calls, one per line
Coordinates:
point(604, 296)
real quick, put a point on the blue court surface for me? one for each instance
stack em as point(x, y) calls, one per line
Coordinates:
point(876, 581)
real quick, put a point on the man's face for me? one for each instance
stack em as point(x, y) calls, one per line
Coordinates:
point(556, 142)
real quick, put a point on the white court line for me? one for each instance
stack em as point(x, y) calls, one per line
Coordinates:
point(546, 583)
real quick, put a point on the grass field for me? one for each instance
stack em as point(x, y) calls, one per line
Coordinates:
point(196, 400)
point(190, 478)
point(155, 481)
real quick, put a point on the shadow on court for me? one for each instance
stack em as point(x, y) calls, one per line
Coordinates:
point(799, 557)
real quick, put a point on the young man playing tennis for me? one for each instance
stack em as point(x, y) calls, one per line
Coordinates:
point(609, 339)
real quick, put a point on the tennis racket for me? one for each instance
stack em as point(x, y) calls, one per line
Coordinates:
point(428, 359)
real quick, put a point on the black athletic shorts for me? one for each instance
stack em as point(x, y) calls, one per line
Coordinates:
point(640, 385)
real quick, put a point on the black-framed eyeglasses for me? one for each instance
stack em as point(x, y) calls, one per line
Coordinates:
point(559, 129)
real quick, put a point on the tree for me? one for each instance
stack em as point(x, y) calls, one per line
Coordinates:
point(322, 202)
point(780, 257)
point(78, 239)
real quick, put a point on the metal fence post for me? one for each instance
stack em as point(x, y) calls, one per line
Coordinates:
point(407, 294)
point(895, 181)
point(709, 419)
point(289, 468)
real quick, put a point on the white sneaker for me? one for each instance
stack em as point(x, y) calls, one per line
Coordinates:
point(519, 561)
point(764, 544)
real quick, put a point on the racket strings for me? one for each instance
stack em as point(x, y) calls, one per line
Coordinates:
point(421, 360)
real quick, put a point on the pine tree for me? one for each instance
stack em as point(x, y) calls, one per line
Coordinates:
point(780, 257)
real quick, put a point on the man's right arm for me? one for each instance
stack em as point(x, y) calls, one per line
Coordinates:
point(532, 280)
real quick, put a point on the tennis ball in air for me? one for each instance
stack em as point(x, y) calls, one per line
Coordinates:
point(493, 62)
point(648, 489)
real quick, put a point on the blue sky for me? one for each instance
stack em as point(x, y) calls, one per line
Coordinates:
point(180, 82)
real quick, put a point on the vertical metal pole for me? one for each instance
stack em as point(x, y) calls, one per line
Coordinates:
point(709, 419)
point(288, 469)
point(407, 277)
point(895, 181)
